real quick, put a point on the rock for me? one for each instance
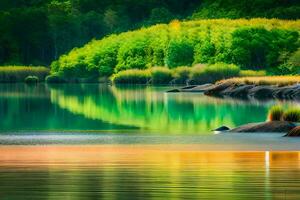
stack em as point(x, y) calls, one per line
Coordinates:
point(284, 92)
point(193, 88)
point(222, 128)
point(238, 91)
point(188, 87)
point(273, 126)
point(262, 92)
point(174, 91)
point(200, 88)
point(295, 132)
point(216, 90)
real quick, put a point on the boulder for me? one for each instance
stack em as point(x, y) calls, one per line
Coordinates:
point(262, 92)
point(240, 91)
point(200, 88)
point(284, 92)
point(272, 126)
point(216, 89)
point(295, 132)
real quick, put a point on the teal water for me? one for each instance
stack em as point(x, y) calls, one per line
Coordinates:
point(68, 142)
point(142, 110)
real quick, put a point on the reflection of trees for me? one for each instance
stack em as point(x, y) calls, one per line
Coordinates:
point(152, 109)
point(29, 108)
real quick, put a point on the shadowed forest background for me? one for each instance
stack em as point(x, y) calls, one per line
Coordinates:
point(36, 32)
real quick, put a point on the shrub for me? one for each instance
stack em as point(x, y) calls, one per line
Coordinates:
point(161, 75)
point(275, 113)
point(292, 115)
point(254, 73)
point(55, 78)
point(182, 74)
point(213, 73)
point(132, 76)
point(31, 79)
point(179, 53)
point(19, 73)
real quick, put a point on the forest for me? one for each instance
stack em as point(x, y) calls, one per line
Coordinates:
point(37, 32)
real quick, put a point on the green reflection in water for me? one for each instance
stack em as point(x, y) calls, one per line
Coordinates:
point(151, 109)
point(120, 109)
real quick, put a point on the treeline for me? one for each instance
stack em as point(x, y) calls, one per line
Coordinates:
point(251, 44)
point(39, 31)
point(234, 9)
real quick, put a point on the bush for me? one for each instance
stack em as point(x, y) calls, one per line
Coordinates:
point(19, 73)
point(213, 73)
point(132, 76)
point(292, 115)
point(55, 78)
point(161, 75)
point(275, 113)
point(182, 74)
point(31, 79)
point(179, 53)
point(252, 73)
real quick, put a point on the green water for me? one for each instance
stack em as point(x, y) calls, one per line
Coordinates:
point(139, 109)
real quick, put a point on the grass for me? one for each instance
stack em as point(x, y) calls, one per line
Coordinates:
point(198, 74)
point(132, 76)
point(266, 80)
point(252, 73)
point(213, 73)
point(277, 113)
point(292, 115)
point(161, 75)
point(181, 74)
point(19, 73)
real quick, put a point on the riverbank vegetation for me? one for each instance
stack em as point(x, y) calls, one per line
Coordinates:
point(256, 44)
point(10, 74)
point(198, 74)
point(265, 80)
point(278, 113)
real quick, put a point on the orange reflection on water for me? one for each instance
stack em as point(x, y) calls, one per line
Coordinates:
point(155, 155)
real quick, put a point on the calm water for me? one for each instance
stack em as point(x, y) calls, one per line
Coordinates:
point(106, 142)
point(139, 172)
point(142, 110)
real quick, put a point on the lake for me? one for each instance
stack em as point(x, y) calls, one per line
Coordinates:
point(89, 141)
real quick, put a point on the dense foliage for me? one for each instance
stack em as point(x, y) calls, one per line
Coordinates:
point(252, 44)
point(20, 73)
point(39, 31)
point(283, 9)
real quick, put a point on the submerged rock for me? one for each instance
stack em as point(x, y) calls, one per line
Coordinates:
point(192, 88)
point(174, 91)
point(222, 128)
point(273, 126)
point(295, 132)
